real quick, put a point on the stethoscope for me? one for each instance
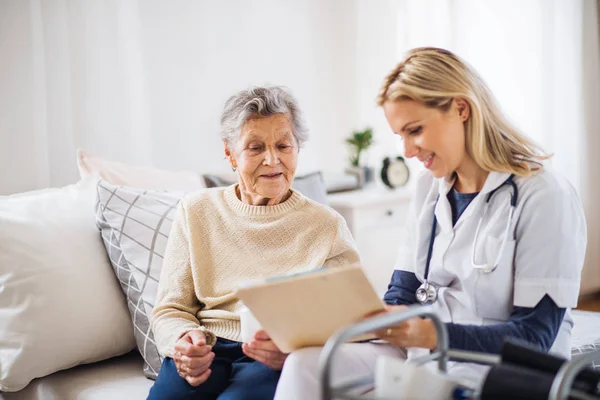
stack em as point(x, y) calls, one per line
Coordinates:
point(427, 293)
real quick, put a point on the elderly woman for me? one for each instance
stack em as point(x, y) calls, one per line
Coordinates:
point(256, 228)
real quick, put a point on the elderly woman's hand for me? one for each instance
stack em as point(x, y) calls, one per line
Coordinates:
point(262, 349)
point(415, 332)
point(193, 357)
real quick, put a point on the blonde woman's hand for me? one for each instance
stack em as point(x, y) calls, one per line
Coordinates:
point(263, 350)
point(415, 332)
point(193, 357)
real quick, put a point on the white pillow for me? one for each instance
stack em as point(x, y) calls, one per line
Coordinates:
point(145, 177)
point(60, 304)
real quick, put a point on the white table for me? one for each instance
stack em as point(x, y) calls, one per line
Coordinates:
point(376, 217)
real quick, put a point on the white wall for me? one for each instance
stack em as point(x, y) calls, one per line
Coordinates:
point(217, 48)
point(145, 81)
point(376, 55)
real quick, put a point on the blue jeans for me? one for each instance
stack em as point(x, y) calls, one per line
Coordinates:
point(234, 377)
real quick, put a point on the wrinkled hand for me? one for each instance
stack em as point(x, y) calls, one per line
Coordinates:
point(415, 332)
point(262, 349)
point(193, 357)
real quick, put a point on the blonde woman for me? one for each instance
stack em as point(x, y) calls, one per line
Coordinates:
point(497, 238)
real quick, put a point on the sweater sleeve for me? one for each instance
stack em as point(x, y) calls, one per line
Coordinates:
point(343, 249)
point(537, 325)
point(176, 305)
point(402, 289)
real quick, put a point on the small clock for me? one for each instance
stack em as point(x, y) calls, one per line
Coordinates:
point(394, 172)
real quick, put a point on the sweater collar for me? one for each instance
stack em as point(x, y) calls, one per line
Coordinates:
point(242, 208)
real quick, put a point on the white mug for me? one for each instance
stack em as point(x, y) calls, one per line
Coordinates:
point(398, 379)
point(248, 325)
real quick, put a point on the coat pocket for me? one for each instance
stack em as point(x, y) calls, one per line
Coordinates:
point(494, 290)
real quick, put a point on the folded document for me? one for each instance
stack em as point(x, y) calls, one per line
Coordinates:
point(305, 309)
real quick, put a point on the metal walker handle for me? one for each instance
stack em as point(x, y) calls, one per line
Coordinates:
point(370, 325)
point(563, 381)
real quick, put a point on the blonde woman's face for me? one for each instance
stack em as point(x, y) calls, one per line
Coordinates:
point(266, 156)
point(436, 138)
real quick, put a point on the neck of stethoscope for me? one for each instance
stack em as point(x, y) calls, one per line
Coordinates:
point(431, 241)
point(513, 202)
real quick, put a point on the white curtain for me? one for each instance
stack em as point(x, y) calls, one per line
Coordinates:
point(76, 81)
point(145, 81)
point(591, 109)
point(540, 58)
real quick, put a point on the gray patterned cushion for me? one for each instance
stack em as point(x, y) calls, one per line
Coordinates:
point(135, 225)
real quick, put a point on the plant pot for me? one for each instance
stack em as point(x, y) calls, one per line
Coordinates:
point(369, 174)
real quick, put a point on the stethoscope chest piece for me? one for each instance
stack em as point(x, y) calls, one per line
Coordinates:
point(427, 293)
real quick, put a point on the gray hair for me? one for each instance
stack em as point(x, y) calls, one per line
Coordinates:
point(261, 102)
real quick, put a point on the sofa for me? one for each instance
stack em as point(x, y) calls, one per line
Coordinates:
point(79, 267)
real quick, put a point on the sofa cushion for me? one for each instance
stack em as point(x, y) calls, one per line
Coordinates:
point(215, 180)
point(135, 225)
point(119, 378)
point(312, 186)
point(147, 177)
point(60, 302)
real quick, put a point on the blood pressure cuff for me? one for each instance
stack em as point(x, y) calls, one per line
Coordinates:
point(509, 381)
point(521, 366)
point(521, 354)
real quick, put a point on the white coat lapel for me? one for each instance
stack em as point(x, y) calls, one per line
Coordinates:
point(443, 212)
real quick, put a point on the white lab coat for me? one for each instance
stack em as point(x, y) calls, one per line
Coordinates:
point(544, 253)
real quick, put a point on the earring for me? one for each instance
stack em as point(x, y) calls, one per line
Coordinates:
point(231, 161)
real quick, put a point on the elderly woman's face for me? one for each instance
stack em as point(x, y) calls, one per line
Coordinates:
point(436, 138)
point(266, 156)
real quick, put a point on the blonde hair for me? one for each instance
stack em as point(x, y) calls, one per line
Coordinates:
point(434, 77)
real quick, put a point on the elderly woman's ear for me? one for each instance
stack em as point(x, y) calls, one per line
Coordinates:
point(229, 156)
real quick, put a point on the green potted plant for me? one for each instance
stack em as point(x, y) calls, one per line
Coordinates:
point(358, 142)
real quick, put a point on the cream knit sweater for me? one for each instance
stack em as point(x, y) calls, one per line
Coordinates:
point(217, 241)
